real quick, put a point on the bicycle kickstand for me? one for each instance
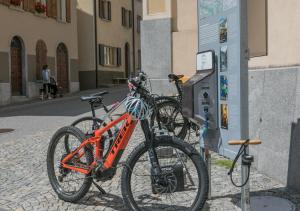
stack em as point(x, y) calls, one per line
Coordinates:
point(102, 191)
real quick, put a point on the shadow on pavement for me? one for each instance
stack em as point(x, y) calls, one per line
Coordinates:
point(69, 106)
point(284, 193)
point(108, 200)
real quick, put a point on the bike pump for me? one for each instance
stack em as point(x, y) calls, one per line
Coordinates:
point(246, 162)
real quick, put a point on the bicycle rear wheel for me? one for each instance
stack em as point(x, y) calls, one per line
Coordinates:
point(85, 124)
point(169, 116)
point(69, 185)
point(184, 184)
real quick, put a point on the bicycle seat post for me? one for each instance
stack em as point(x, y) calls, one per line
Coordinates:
point(93, 109)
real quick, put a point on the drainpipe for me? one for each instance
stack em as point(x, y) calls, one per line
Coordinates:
point(133, 33)
point(96, 41)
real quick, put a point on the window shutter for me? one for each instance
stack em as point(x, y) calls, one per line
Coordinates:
point(29, 5)
point(123, 16)
point(119, 57)
point(52, 8)
point(101, 54)
point(100, 8)
point(5, 2)
point(69, 11)
point(130, 18)
point(109, 10)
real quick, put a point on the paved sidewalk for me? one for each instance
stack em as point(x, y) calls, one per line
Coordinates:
point(24, 183)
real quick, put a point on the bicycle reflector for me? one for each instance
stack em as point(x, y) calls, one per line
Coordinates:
point(137, 108)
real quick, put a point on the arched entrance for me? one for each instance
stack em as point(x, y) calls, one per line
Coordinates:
point(127, 60)
point(41, 58)
point(62, 63)
point(16, 59)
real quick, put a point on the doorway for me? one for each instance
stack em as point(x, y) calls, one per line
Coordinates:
point(17, 78)
point(62, 63)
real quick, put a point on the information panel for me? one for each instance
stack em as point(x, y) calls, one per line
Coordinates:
point(223, 29)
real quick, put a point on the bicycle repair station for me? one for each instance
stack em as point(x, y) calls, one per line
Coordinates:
point(216, 97)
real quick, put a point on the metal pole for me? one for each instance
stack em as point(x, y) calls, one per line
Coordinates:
point(208, 163)
point(245, 195)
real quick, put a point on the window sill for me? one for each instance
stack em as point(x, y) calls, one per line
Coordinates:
point(106, 20)
point(16, 8)
point(61, 21)
point(127, 27)
point(110, 65)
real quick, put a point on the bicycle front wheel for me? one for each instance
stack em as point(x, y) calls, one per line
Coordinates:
point(181, 185)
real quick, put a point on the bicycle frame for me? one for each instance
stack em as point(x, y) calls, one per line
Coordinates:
point(115, 152)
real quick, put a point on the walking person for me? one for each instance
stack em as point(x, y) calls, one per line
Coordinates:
point(46, 81)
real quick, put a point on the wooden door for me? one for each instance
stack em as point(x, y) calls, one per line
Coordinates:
point(62, 68)
point(41, 58)
point(16, 67)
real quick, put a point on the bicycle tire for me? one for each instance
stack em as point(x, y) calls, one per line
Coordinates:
point(77, 195)
point(90, 119)
point(170, 102)
point(176, 143)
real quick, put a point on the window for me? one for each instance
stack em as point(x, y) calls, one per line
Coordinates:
point(110, 56)
point(64, 10)
point(139, 19)
point(40, 6)
point(126, 18)
point(15, 3)
point(105, 10)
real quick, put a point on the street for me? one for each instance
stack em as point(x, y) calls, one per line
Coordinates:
point(24, 183)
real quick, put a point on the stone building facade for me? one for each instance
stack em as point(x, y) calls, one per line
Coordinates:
point(109, 40)
point(37, 32)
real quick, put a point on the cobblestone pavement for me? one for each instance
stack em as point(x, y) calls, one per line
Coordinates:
point(24, 183)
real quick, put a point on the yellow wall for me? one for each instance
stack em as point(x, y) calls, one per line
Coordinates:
point(86, 44)
point(283, 35)
point(156, 6)
point(184, 36)
point(112, 33)
point(31, 28)
point(153, 9)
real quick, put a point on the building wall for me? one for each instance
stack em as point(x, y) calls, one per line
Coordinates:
point(274, 94)
point(184, 37)
point(110, 33)
point(86, 44)
point(31, 28)
point(283, 35)
point(182, 16)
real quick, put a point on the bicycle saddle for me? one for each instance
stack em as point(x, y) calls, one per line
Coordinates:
point(174, 77)
point(96, 96)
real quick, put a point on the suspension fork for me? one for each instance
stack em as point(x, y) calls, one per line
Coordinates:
point(151, 149)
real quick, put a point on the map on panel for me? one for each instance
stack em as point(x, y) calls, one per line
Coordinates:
point(210, 7)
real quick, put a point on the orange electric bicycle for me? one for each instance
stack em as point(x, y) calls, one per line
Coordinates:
point(161, 173)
